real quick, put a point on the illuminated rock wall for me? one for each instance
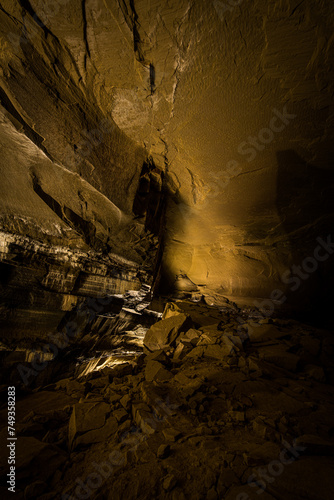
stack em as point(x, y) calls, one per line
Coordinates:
point(234, 104)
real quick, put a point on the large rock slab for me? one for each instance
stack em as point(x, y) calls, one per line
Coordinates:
point(97, 435)
point(156, 371)
point(86, 417)
point(165, 332)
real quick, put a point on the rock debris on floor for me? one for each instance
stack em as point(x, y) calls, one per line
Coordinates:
point(220, 405)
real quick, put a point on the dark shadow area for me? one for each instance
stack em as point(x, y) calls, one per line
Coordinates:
point(178, 213)
point(305, 204)
point(150, 203)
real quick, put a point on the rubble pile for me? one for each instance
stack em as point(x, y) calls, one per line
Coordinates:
point(220, 405)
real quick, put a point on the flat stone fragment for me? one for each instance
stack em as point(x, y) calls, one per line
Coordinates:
point(156, 371)
point(86, 417)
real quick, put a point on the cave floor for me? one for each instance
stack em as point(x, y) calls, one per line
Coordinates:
point(221, 404)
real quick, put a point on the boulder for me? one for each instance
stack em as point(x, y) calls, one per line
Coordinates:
point(159, 355)
point(207, 339)
point(70, 386)
point(217, 352)
point(196, 352)
point(97, 435)
point(261, 333)
point(171, 434)
point(169, 482)
point(179, 352)
point(163, 451)
point(156, 371)
point(121, 415)
point(191, 337)
point(164, 333)
point(86, 417)
point(126, 401)
point(143, 417)
point(279, 356)
point(171, 309)
point(146, 422)
point(99, 382)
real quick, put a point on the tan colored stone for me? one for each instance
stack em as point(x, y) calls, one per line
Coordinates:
point(169, 482)
point(86, 417)
point(217, 352)
point(165, 332)
point(279, 356)
point(156, 371)
point(121, 415)
point(99, 435)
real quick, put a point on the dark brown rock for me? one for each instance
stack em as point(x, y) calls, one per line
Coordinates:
point(86, 417)
point(156, 371)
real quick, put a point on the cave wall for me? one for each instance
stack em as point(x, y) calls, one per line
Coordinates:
point(233, 103)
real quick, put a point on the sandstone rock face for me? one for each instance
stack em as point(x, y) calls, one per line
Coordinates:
point(233, 104)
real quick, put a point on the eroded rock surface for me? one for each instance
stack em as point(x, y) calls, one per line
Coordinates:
point(233, 104)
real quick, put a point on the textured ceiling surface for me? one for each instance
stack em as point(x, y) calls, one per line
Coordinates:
point(233, 101)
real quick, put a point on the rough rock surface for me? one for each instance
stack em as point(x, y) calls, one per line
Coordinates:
point(235, 425)
point(232, 102)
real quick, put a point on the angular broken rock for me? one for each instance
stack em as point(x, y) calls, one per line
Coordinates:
point(121, 415)
point(171, 309)
point(315, 372)
point(233, 342)
point(279, 356)
point(191, 337)
point(164, 333)
point(71, 386)
point(171, 434)
point(217, 351)
point(179, 352)
point(207, 339)
point(163, 451)
point(97, 435)
point(159, 355)
point(126, 401)
point(196, 352)
point(86, 417)
point(144, 418)
point(156, 371)
point(169, 482)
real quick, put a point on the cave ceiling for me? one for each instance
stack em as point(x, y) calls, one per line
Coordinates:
point(230, 107)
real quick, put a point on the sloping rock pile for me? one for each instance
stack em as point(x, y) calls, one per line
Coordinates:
point(217, 406)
